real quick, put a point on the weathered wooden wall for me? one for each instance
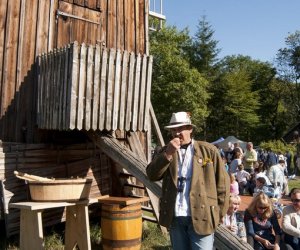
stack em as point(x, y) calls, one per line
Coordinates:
point(91, 87)
point(31, 27)
point(48, 160)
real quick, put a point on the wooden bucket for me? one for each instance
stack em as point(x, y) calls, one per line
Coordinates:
point(121, 226)
point(60, 190)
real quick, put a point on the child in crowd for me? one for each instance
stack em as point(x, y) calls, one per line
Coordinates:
point(234, 185)
point(234, 220)
point(262, 187)
point(242, 177)
point(236, 162)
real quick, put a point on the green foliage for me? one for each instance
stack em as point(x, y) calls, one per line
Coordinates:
point(235, 95)
point(233, 104)
point(277, 146)
point(175, 85)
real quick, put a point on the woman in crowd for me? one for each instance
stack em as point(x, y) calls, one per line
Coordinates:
point(260, 222)
point(234, 220)
point(291, 220)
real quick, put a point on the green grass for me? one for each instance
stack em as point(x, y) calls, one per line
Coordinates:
point(152, 238)
point(294, 184)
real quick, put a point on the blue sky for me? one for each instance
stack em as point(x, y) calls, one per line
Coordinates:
point(255, 28)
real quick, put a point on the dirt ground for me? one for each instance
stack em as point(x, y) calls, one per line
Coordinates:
point(246, 200)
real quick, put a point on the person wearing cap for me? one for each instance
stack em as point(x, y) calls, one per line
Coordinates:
point(195, 186)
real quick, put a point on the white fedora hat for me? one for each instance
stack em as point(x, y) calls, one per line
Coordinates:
point(179, 119)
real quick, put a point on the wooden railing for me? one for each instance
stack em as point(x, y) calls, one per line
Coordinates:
point(93, 88)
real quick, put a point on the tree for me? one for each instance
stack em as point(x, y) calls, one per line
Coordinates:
point(176, 86)
point(233, 106)
point(203, 51)
point(288, 66)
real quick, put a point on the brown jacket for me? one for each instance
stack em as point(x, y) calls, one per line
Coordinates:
point(209, 194)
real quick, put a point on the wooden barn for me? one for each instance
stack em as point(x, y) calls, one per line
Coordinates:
point(75, 97)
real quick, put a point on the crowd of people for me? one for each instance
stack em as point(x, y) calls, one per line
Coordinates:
point(265, 223)
point(259, 225)
point(199, 193)
point(248, 165)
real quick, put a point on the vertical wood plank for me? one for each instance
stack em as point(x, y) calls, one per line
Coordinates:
point(123, 90)
point(116, 93)
point(111, 24)
point(69, 84)
point(45, 91)
point(52, 93)
point(130, 26)
point(42, 27)
point(3, 13)
point(40, 75)
point(93, 29)
point(79, 27)
point(64, 25)
point(96, 89)
point(52, 36)
point(128, 118)
point(59, 89)
point(137, 25)
point(27, 46)
point(110, 87)
point(10, 54)
point(103, 26)
point(61, 93)
point(148, 95)
point(141, 26)
point(146, 28)
point(102, 106)
point(142, 95)
point(136, 93)
point(81, 87)
point(74, 86)
point(89, 87)
point(66, 97)
point(120, 25)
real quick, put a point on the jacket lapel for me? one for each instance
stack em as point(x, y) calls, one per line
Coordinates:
point(174, 168)
point(197, 165)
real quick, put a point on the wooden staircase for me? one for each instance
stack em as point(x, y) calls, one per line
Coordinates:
point(134, 161)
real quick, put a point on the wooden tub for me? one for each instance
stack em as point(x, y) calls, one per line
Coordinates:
point(60, 189)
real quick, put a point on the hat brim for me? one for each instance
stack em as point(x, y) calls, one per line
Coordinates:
point(179, 125)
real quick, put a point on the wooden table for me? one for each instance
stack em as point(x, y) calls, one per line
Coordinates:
point(77, 231)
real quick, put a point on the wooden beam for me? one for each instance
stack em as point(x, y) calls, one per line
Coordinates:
point(126, 158)
point(226, 240)
point(156, 126)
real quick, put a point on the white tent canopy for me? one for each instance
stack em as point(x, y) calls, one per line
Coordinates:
point(224, 144)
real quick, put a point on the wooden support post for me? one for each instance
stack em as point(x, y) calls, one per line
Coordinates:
point(31, 230)
point(31, 225)
point(77, 227)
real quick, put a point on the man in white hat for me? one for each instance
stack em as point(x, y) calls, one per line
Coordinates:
point(195, 187)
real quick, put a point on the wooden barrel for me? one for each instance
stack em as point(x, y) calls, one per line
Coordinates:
point(121, 226)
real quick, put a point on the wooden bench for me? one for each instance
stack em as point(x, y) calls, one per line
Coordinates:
point(77, 231)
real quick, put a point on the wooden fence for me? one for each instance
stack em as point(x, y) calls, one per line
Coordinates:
point(93, 88)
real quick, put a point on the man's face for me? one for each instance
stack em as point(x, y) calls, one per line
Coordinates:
point(183, 133)
point(296, 201)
